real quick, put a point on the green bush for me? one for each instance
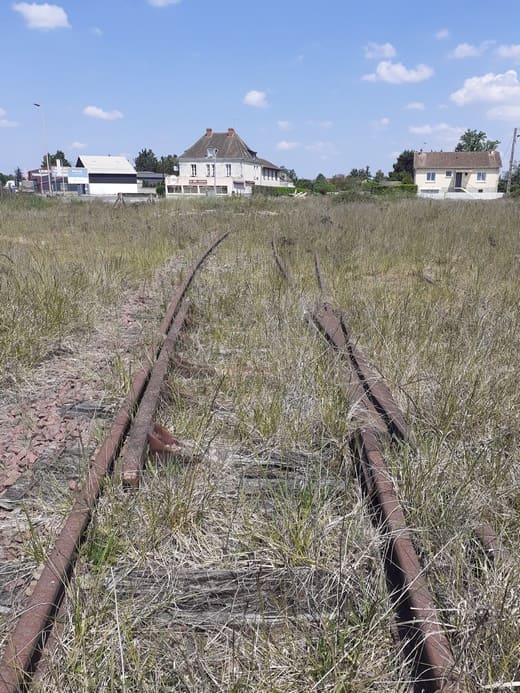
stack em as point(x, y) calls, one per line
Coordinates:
point(272, 191)
point(160, 190)
point(393, 190)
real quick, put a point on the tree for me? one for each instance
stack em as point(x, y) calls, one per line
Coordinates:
point(363, 173)
point(322, 185)
point(18, 175)
point(476, 141)
point(403, 167)
point(167, 165)
point(290, 173)
point(379, 175)
point(53, 158)
point(146, 161)
point(515, 180)
point(4, 177)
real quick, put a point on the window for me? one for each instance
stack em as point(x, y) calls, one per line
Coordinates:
point(228, 169)
point(430, 176)
point(194, 169)
point(221, 190)
point(174, 189)
point(481, 175)
point(448, 174)
point(190, 189)
point(210, 170)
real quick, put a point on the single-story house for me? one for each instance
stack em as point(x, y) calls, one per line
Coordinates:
point(221, 163)
point(148, 180)
point(457, 175)
point(108, 175)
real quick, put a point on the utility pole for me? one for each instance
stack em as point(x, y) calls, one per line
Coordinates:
point(511, 160)
point(39, 107)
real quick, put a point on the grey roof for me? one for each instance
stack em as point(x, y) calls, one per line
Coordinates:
point(229, 145)
point(267, 164)
point(152, 175)
point(106, 164)
point(455, 160)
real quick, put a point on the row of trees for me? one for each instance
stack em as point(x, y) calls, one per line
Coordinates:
point(147, 161)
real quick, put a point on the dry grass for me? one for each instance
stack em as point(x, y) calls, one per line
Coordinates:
point(256, 568)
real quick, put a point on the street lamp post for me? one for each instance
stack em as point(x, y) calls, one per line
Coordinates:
point(511, 161)
point(46, 145)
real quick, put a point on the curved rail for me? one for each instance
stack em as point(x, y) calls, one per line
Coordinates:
point(25, 646)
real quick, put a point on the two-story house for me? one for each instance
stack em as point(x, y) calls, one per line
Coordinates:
point(221, 163)
point(459, 175)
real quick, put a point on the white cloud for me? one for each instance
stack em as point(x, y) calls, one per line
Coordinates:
point(379, 50)
point(96, 112)
point(5, 122)
point(511, 51)
point(464, 50)
point(163, 3)
point(415, 106)
point(42, 16)
point(397, 73)
point(441, 131)
point(257, 99)
point(442, 34)
point(97, 31)
point(78, 145)
point(324, 149)
point(468, 50)
point(326, 124)
point(285, 146)
point(489, 88)
point(506, 112)
point(284, 124)
point(381, 123)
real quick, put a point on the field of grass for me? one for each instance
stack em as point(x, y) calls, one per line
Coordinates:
point(257, 568)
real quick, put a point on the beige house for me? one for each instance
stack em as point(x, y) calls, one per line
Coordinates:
point(457, 175)
point(221, 163)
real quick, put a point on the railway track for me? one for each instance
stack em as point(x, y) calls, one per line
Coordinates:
point(248, 596)
point(129, 434)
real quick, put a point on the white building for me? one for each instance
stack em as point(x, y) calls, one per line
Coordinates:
point(221, 163)
point(108, 175)
point(457, 175)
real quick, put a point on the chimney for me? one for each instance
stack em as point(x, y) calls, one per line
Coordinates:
point(209, 132)
point(230, 132)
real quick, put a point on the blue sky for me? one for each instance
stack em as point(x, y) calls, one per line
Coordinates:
point(321, 87)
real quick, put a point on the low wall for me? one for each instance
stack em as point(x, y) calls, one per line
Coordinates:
point(461, 196)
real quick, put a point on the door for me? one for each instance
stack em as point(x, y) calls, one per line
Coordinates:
point(458, 179)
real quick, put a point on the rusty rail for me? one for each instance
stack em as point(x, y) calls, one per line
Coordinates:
point(278, 261)
point(421, 633)
point(26, 644)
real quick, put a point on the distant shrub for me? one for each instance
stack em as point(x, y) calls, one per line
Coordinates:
point(393, 190)
point(160, 190)
point(272, 191)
